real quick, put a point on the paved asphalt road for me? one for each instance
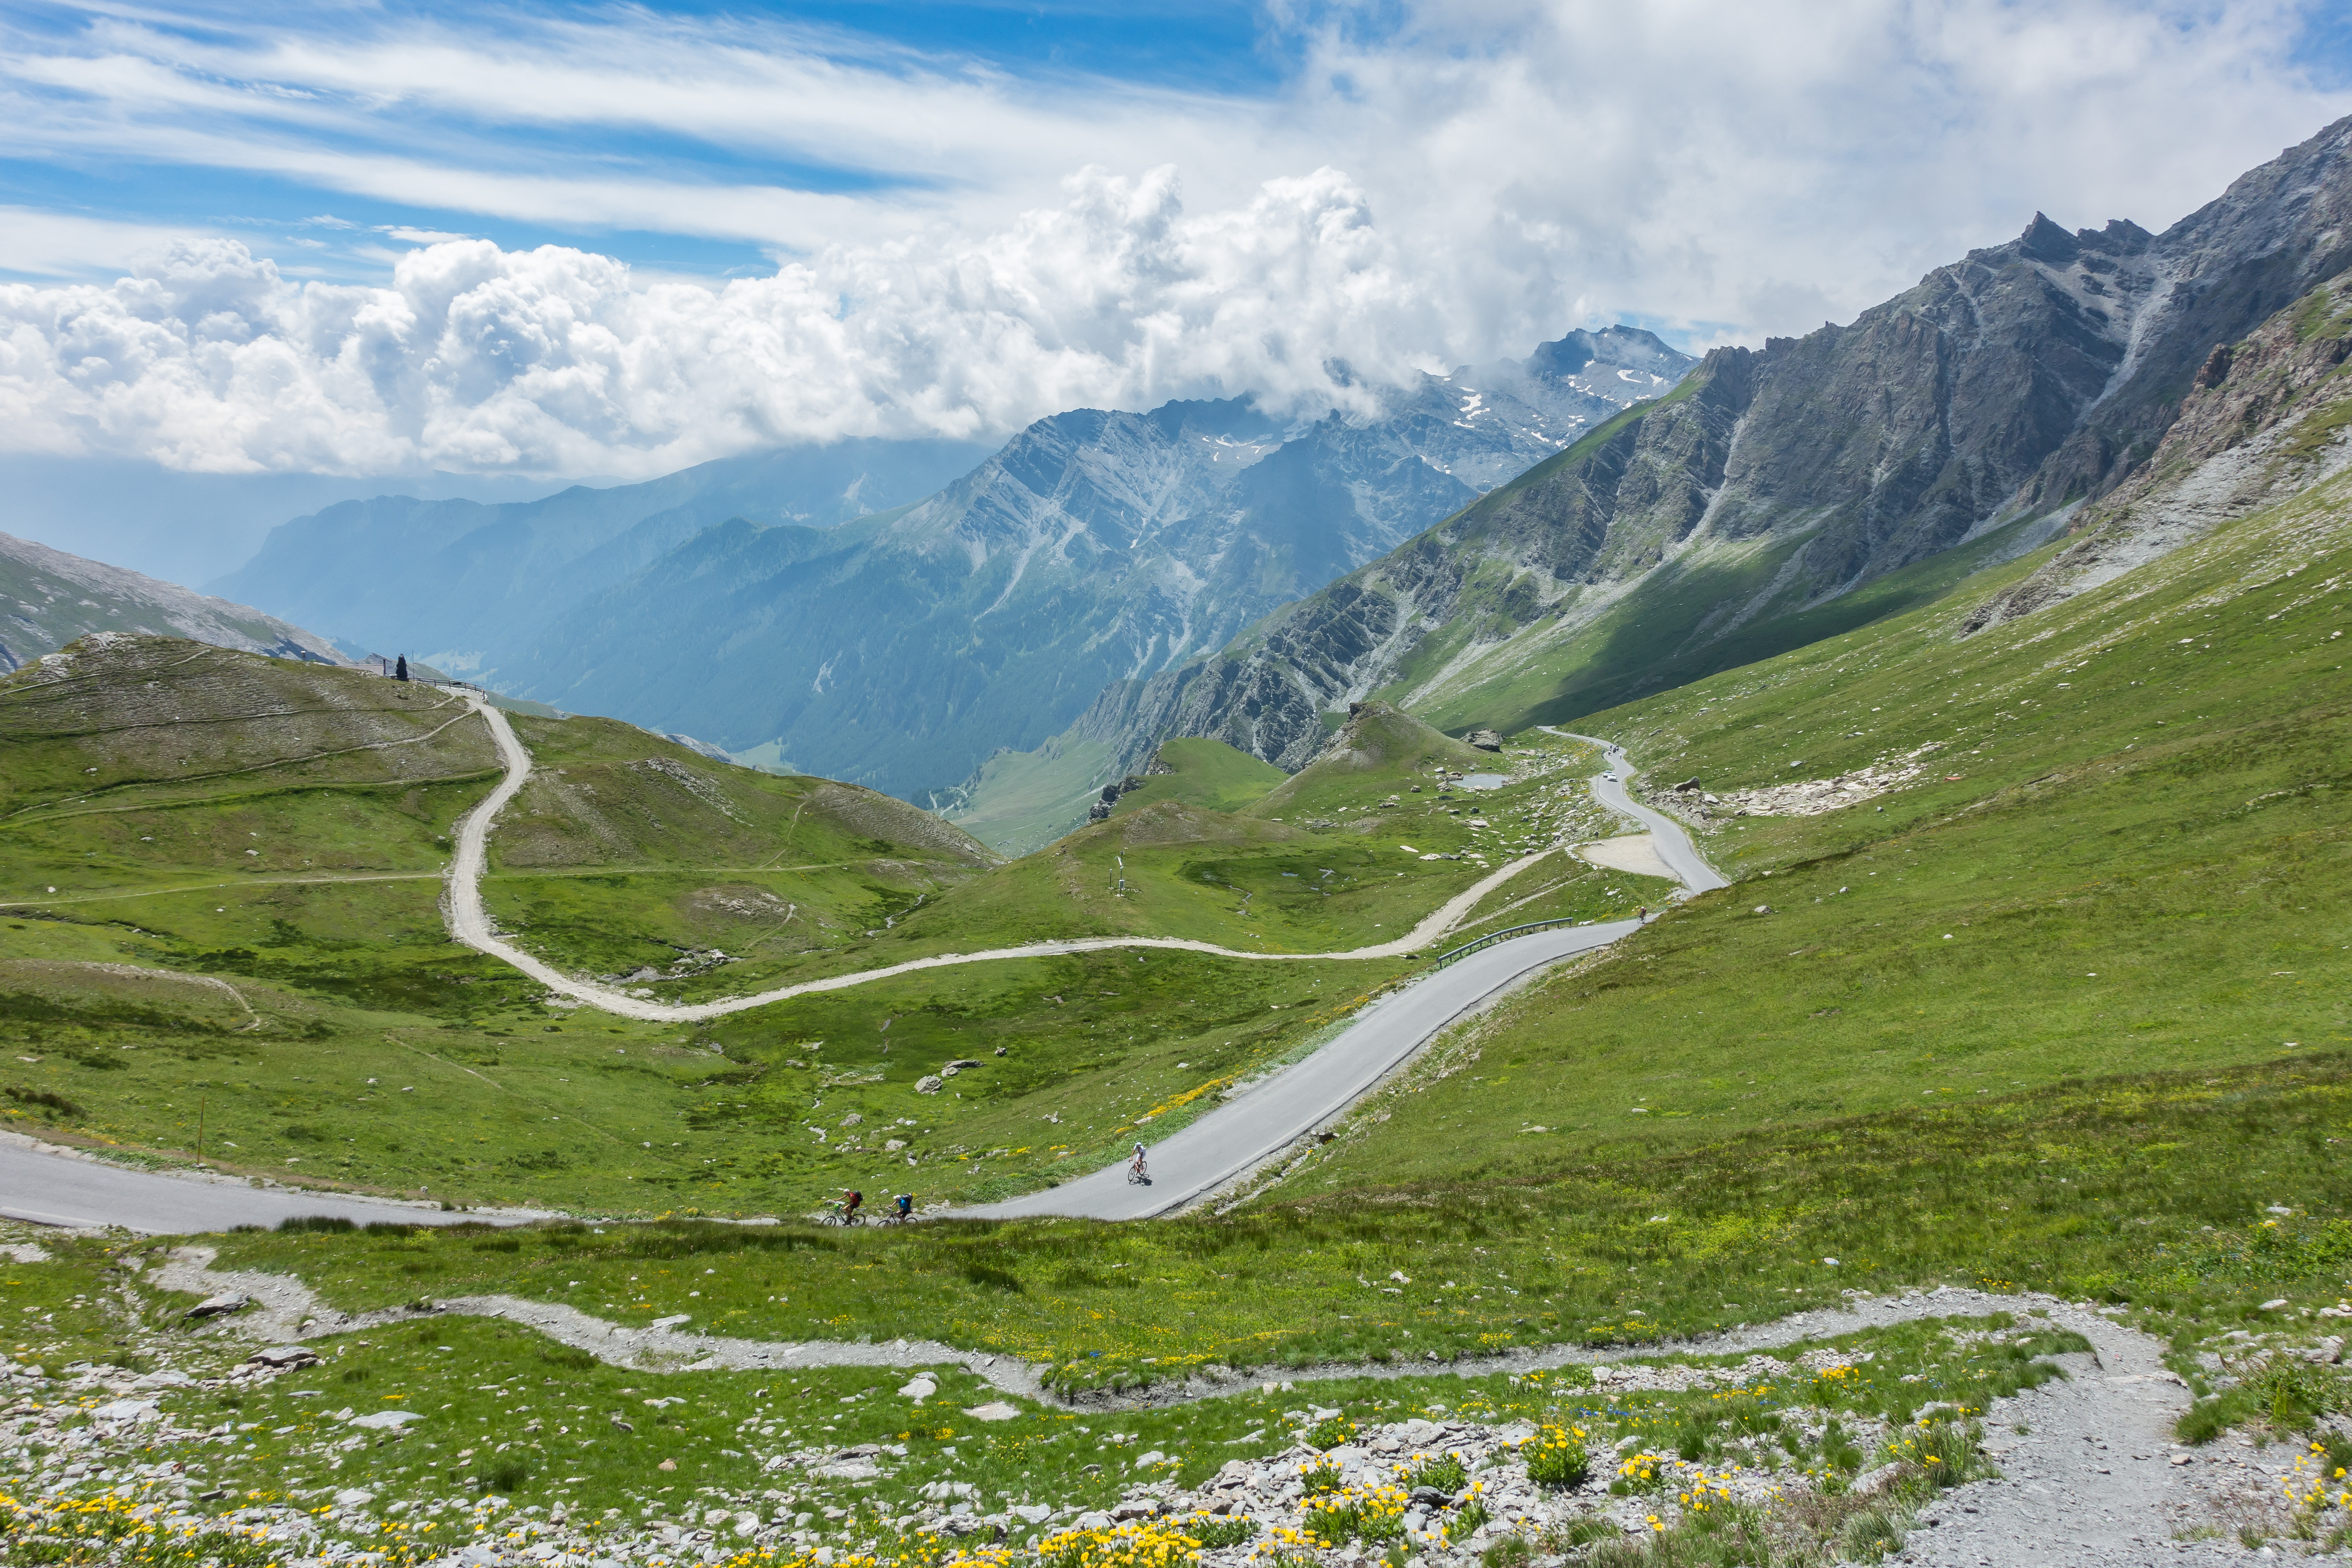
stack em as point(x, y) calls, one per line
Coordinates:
point(53, 1189)
point(1279, 1111)
point(1285, 1108)
point(1674, 846)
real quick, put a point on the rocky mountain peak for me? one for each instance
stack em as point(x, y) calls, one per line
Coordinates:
point(1699, 530)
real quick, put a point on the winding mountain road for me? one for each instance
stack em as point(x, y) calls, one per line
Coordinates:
point(1265, 1121)
point(1273, 1117)
point(1672, 842)
point(57, 1188)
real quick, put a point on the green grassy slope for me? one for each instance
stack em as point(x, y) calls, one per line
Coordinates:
point(1206, 774)
point(244, 959)
point(2074, 1022)
point(624, 855)
point(1618, 656)
point(2129, 854)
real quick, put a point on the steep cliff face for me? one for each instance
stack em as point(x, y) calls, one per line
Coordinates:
point(1714, 526)
point(2273, 236)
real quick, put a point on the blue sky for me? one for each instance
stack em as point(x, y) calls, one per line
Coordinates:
point(1196, 50)
point(362, 238)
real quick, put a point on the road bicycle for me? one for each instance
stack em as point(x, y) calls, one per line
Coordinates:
point(1138, 1175)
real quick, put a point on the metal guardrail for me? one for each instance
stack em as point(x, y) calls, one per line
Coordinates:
point(1492, 937)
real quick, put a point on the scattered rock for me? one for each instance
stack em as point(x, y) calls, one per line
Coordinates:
point(218, 1306)
point(125, 1410)
point(386, 1420)
point(930, 1083)
point(1484, 740)
point(285, 1358)
point(994, 1410)
point(1815, 797)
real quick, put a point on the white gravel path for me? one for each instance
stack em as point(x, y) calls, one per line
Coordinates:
point(2093, 1483)
point(470, 925)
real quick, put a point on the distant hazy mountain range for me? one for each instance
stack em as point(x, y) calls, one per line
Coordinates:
point(1760, 506)
point(48, 598)
point(461, 582)
point(892, 613)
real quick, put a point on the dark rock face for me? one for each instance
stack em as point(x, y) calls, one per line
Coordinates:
point(2018, 379)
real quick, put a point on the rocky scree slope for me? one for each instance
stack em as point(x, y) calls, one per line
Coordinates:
point(1698, 528)
point(48, 598)
point(2263, 421)
point(901, 650)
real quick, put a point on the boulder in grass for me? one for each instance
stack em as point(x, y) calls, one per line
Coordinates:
point(218, 1306)
point(386, 1420)
point(285, 1358)
point(1484, 740)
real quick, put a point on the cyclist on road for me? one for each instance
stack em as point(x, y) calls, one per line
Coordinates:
point(1135, 1168)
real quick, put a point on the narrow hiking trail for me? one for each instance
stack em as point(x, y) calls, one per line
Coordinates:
point(2096, 1479)
point(470, 925)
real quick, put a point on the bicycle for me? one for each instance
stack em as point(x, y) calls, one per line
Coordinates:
point(843, 1215)
point(1138, 1175)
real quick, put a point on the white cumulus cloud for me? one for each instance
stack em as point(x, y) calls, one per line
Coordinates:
point(552, 360)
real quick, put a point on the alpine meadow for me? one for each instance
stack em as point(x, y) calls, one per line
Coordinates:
point(1420, 941)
